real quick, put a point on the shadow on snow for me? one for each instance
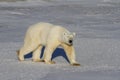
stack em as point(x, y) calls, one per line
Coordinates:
point(58, 52)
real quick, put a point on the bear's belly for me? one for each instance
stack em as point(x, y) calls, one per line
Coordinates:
point(43, 42)
point(44, 39)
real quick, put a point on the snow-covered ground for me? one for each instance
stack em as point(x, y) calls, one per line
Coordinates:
point(97, 44)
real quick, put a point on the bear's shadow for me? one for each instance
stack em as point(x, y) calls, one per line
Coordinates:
point(58, 52)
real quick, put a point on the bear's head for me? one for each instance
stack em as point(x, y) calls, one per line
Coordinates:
point(68, 37)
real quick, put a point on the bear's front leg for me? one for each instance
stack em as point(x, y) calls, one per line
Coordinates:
point(70, 52)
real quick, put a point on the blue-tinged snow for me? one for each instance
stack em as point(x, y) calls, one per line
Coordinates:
point(97, 43)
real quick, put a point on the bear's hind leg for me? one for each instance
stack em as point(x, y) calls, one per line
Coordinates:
point(36, 54)
point(25, 50)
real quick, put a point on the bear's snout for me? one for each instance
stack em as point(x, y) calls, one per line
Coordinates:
point(70, 41)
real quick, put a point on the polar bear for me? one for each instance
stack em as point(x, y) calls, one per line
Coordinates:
point(51, 36)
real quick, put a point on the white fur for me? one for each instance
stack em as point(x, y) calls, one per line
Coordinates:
point(48, 35)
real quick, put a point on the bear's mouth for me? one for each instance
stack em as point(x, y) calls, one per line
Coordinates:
point(70, 44)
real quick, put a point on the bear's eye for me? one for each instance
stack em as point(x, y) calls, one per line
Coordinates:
point(64, 33)
point(68, 36)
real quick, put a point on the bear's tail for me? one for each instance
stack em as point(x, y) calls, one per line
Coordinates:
point(18, 52)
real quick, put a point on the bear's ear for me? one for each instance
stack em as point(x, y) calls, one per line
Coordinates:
point(74, 34)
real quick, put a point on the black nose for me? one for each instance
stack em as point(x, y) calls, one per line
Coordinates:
point(70, 41)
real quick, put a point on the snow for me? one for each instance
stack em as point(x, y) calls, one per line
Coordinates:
point(96, 23)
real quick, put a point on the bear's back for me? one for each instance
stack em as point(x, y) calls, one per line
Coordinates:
point(42, 31)
point(41, 26)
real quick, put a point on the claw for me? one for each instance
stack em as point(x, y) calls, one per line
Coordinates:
point(75, 64)
point(38, 60)
point(49, 62)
